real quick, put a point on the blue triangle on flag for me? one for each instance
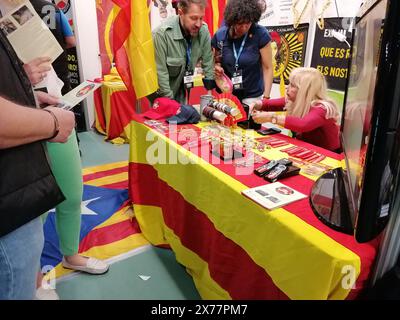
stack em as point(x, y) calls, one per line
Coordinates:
point(101, 204)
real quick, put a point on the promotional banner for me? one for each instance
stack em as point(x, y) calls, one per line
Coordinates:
point(288, 50)
point(73, 66)
point(331, 52)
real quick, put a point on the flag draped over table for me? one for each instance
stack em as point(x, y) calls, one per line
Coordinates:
point(133, 47)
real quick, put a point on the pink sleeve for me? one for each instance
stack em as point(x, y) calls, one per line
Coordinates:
point(314, 119)
point(273, 104)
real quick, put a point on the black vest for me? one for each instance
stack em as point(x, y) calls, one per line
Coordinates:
point(27, 187)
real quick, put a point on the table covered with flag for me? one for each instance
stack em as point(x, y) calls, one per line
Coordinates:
point(232, 247)
point(115, 107)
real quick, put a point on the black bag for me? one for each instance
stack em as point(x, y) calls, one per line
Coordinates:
point(27, 187)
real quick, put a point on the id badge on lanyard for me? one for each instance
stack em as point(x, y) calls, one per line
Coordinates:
point(237, 80)
point(237, 77)
point(188, 79)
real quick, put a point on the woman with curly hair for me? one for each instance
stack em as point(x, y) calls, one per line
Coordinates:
point(242, 50)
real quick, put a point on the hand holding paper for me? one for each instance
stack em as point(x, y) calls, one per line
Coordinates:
point(78, 94)
point(37, 69)
point(45, 98)
point(28, 34)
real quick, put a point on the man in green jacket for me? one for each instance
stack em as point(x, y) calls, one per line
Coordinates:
point(180, 43)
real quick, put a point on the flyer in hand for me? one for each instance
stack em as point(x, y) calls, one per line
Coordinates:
point(81, 92)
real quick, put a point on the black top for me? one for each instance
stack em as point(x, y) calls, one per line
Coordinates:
point(27, 186)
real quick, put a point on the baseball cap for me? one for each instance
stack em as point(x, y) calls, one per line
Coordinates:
point(186, 114)
point(162, 108)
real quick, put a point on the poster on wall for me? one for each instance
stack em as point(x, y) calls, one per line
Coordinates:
point(288, 49)
point(330, 55)
point(65, 6)
point(159, 11)
point(73, 66)
point(280, 12)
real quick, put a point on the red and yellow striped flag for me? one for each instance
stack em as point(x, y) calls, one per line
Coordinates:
point(133, 47)
point(214, 14)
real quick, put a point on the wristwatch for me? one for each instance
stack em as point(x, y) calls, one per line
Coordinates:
point(274, 119)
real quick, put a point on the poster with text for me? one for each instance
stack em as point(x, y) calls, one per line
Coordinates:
point(73, 65)
point(288, 49)
point(330, 55)
point(280, 12)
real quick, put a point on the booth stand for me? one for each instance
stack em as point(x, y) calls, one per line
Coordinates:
point(191, 201)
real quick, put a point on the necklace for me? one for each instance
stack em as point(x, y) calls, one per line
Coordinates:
point(298, 15)
point(320, 17)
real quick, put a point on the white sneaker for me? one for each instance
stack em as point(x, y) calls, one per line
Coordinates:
point(93, 266)
point(46, 294)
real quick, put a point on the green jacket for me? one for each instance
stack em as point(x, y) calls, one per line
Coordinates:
point(170, 48)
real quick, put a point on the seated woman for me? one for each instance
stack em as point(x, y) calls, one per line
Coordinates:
point(309, 113)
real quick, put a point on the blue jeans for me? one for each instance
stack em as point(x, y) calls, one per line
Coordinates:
point(19, 261)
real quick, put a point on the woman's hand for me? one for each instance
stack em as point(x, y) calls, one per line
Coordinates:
point(66, 123)
point(219, 71)
point(261, 117)
point(45, 98)
point(37, 69)
point(256, 105)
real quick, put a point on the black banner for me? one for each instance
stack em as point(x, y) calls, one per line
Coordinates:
point(330, 54)
point(74, 80)
point(288, 49)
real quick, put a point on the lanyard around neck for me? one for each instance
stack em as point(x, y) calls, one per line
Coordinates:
point(188, 53)
point(238, 54)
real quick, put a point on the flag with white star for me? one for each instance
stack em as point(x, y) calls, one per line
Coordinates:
point(108, 227)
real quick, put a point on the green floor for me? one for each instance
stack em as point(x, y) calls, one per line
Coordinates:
point(96, 151)
point(168, 279)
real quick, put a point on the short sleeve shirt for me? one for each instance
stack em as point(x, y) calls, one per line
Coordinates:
point(65, 27)
point(249, 61)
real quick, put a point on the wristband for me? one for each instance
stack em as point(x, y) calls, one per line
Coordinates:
point(56, 124)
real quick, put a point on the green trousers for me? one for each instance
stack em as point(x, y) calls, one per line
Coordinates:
point(66, 166)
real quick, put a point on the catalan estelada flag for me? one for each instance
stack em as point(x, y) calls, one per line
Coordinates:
point(108, 227)
point(133, 47)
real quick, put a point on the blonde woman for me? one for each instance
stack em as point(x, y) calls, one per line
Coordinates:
point(309, 113)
